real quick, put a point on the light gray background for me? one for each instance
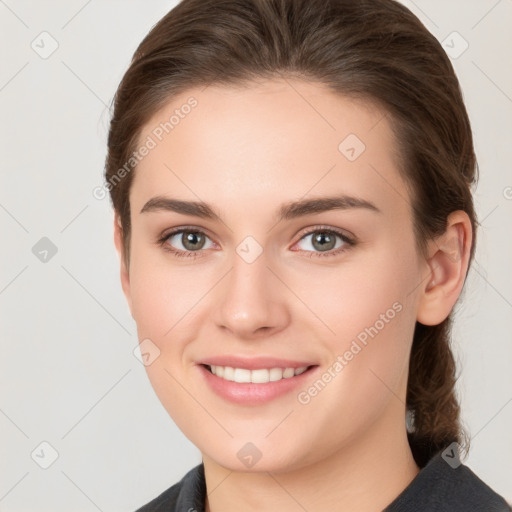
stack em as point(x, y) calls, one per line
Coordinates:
point(68, 373)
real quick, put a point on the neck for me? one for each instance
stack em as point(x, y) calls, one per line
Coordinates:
point(365, 475)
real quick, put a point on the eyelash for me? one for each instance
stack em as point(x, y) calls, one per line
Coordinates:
point(162, 241)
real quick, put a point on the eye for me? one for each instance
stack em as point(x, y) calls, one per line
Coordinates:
point(190, 242)
point(185, 242)
point(325, 242)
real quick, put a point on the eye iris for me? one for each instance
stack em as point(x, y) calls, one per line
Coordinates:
point(189, 238)
point(324, 236)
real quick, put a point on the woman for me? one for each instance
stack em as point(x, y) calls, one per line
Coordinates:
point(292, 184)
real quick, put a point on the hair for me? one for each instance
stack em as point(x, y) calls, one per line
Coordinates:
point(374, 50)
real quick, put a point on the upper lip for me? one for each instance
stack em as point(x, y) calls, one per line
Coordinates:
point(253, 363)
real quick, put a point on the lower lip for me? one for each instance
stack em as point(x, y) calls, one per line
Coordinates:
point(248, 393)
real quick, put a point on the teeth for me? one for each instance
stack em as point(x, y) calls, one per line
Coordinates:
point(288, 372)
point(260, 376)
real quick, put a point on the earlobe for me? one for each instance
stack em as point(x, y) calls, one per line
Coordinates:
point(124, 271)
point(448, 263)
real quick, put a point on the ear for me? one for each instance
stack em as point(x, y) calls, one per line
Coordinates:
point(124, 271)
point(447, 265)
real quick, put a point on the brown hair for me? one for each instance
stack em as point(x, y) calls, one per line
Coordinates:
point(371, 49)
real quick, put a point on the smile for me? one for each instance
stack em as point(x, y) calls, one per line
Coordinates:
point(258, 376)
point(257, 385)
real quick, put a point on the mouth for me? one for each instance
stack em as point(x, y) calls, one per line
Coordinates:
point(255, 376)
point(255, 380)
point(256, 386)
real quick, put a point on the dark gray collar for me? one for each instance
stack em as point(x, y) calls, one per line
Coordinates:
point(438, 487)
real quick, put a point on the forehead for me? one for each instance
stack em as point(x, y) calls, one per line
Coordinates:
point(266, 139)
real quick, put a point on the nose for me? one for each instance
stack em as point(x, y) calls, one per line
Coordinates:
point(251, 301)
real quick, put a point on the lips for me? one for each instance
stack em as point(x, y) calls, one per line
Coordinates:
point(254, 363)
point(256, 380)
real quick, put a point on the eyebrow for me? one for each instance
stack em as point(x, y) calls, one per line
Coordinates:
point(287, 211)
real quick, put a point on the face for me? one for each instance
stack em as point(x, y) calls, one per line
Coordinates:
point(302, 255)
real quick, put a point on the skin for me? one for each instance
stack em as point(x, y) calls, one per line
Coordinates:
point(246, 151)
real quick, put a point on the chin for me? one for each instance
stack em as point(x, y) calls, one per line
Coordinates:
point(253, 458)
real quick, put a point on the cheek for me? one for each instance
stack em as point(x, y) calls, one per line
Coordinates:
point(163, 295)
point(163, 299)
point(364, 297)
point(370, 311)
point(152, 302)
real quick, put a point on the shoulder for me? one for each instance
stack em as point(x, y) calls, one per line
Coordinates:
point(444, 487)
point(187, 494)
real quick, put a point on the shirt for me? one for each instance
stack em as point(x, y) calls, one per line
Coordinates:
point(436, 488)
